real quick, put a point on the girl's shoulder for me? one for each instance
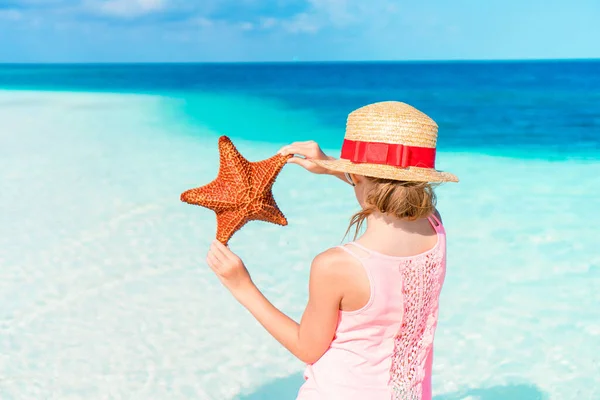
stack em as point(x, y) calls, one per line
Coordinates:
point(337, 259)
point(342, 254)
point(332, 257)
point(341, 265)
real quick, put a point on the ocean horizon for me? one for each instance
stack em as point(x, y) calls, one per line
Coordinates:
point(105, 289)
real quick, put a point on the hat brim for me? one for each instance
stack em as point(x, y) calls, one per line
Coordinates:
point(411, 174)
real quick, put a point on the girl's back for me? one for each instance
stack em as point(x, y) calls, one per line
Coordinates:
point(383, 344)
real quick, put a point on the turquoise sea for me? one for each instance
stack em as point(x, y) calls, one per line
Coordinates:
point(103, 285)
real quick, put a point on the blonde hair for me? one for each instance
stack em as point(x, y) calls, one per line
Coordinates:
point(401, 199)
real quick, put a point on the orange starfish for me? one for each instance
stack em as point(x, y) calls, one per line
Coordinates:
point(241, 192)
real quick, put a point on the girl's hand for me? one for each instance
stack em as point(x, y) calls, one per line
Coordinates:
point(228, 267)
point(304, 152)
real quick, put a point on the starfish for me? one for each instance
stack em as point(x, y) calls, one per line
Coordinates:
point(242, 191)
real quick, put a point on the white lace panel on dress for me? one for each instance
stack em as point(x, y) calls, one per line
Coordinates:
point(422, 281)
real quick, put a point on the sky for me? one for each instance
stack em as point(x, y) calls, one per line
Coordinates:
point(301, 30)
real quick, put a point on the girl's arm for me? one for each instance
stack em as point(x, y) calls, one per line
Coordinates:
point(312, 337)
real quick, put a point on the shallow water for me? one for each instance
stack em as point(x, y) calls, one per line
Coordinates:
point(106, 294)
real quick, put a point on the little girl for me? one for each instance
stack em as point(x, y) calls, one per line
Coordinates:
point(368, 328)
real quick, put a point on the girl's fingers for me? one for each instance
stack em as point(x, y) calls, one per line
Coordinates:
point(217, 251)
point(296, 148)
point(212, 262)
point(303, 162)
point(223, 250)
point(285, 150)
point(305, 143)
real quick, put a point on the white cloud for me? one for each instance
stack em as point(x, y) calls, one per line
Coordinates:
point(246, 26)
point(11, 15)
point(128, 8)
point(301, 23)
point(201, 22)
point(336, 12)
point(237, 17)
point(268, 23)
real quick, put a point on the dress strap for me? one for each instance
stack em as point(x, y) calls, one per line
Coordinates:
point(436, 223)
point(358, 246)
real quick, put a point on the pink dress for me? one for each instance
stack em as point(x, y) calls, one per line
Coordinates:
point(384, 351)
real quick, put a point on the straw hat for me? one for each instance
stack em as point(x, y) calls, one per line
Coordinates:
point(390, 140)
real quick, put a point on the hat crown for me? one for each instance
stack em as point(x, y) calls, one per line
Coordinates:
point(392, 122)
